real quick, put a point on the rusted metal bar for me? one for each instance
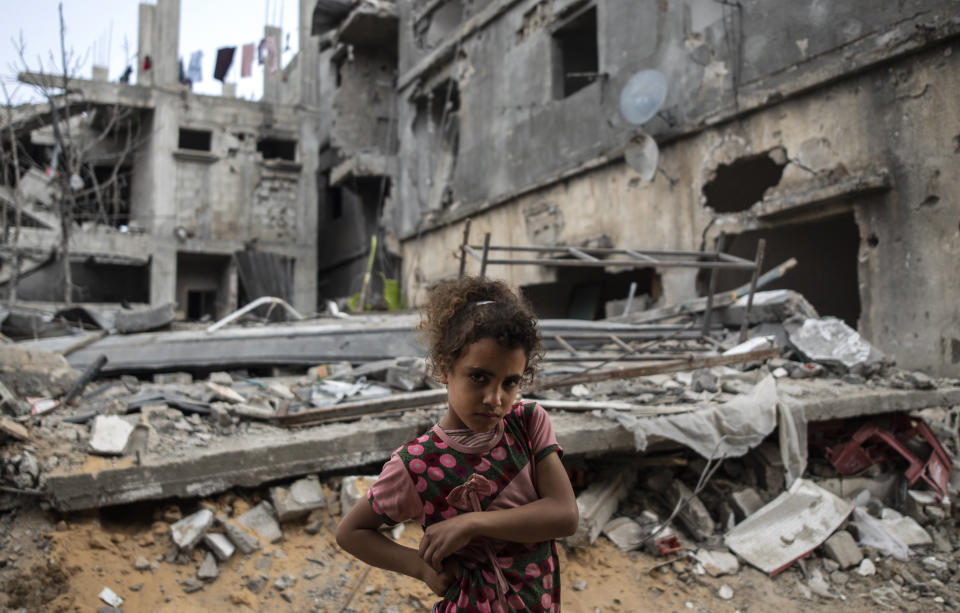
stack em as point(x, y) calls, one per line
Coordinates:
point(713, 288)
point(463, 247)
point(566, 345)
point(761, 246)
point(486, 255)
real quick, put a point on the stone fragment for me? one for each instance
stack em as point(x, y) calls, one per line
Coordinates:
point(220, 377)
point(241, 536)
point(208, 570)
point(256, 584)
point(625, 533)
point(224, 393)
point(109, 434)
point(694, 515)
point(110, 597)
point(141, 563)
point(718, 563)
point(745, 503)
point(725, 592)
point(285, 581)
point(352, 490)
point(303, 496)
point(13, 429)
point(704, 381)
point(867, 568)
point(842, 548)
point(905, 529)
point(188, 531)
point(288, 596)
point(220, 545)
point(932, 564)
point(261, 519)
point(315, 522)
point(579, 585)
point(191, 585)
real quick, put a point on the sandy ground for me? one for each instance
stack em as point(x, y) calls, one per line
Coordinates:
point(62, 564)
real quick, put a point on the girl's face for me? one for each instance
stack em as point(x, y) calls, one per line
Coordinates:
point(482, 385)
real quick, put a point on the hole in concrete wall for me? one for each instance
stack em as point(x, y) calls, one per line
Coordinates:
point(198, 140)
point(207, 278)
point(107, 202)
point(827, 252)
point(278, 149)
point(872, 240)
point(334, 198)
point(582, 293)
point(437, 123)
point(577, 53)
point(738, 185)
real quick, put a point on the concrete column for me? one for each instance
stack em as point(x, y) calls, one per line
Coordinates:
point(271, 82)
point(309, 57)
point(145, 42)
point(166, 65)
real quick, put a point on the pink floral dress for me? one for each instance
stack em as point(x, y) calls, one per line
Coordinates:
point(434, 478)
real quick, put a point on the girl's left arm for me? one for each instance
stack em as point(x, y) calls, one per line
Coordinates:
point(554, 515)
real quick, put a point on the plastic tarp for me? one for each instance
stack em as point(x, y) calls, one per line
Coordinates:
point(727, 430)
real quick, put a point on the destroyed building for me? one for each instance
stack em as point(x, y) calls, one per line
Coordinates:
point(822, 127)
point(215, 205)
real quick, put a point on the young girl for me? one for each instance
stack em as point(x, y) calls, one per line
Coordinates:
point(486, 482)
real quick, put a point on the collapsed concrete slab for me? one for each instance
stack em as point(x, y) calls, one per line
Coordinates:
point(271, 454)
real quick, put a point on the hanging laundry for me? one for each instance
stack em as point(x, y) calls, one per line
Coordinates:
point(268, 53)
point(147, 63)
point(224, 60)
point(195, 68)
point(246, 68)
point(125, 77)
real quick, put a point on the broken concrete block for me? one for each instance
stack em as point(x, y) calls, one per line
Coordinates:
point(597, 504)
point(745, 503)
point(843, 549)
point(241, 536)
point(10, 401)
point(408, 374)
point(352, 490)
point(34, 372)
point(917, 501)
point(188, 531)
point(867, 568)
point(220, 545)
point(208, 570)
point(704, 380)
point(768, 306)
point(625, 533)
point(109, 434)
point(262, 520)
point(220, 377)
point(299, 499)
point(110, 597)
point(170, 378)
point(693, 515)
point(725, 592)
point(718, 563)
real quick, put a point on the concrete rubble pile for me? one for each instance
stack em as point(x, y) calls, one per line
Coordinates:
point(688, 465)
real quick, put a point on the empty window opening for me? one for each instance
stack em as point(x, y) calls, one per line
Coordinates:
point(94, 280)
point(591, 293)
point(828, 249)
point(737, 186)
point(278, 149)
point(201, 304)
point(204, 285)
point(335, 202)
point(197, 140)
point(577, 53)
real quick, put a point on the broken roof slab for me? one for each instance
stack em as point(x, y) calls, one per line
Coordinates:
point(371, 26)
point(266, 453)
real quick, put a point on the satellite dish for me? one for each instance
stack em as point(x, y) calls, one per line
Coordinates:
point(642, 96)
point(642, 155)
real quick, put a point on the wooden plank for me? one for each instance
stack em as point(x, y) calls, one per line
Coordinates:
point(359, 408)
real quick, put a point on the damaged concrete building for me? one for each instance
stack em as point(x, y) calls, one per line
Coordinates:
point(216, 202)
point(826, 128)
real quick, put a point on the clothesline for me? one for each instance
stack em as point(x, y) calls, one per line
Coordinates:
point(266, 53)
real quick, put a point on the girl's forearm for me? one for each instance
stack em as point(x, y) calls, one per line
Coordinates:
point(377, 550)
point(537, 521)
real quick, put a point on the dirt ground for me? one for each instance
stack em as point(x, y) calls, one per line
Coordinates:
point(61, 564)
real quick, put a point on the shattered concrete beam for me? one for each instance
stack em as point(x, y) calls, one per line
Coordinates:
point(872, 402)
point(817, 194)
point(364, 165)
point(254, 460)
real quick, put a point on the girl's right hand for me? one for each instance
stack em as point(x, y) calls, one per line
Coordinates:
point(440, 582)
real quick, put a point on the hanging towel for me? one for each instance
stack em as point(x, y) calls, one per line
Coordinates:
point(246, 68)
point(268, 46)
point(195, 68)
point(147, 63)
point(224, 60)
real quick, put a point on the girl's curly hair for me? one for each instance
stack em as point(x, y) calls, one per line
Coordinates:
point(466, 310)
